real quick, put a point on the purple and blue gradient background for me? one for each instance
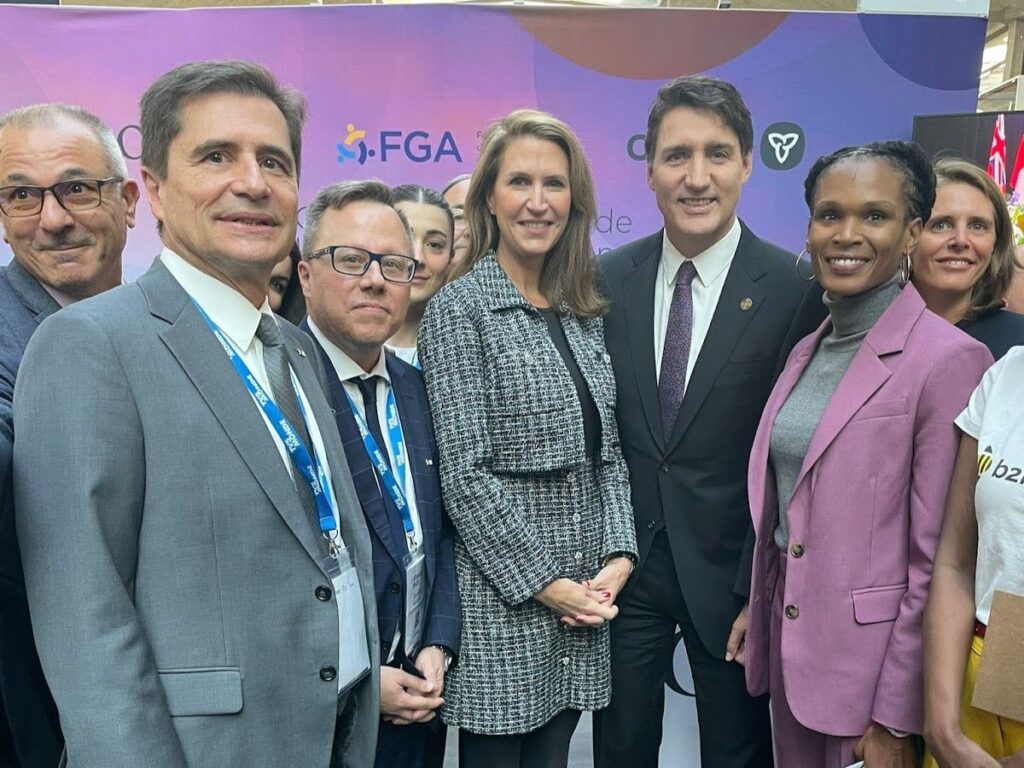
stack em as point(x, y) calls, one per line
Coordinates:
point(843, 78)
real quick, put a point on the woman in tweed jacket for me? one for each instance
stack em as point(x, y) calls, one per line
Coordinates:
point(523, 399)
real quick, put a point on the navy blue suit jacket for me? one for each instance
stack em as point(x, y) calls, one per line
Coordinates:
point(29, 729)
point(444, 609)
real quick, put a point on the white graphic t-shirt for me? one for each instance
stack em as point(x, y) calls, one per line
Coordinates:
point(995, 417)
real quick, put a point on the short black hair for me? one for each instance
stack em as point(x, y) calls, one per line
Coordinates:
point(701, 92)
point(905, 156)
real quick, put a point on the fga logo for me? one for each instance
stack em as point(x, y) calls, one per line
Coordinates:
point(415, 146)
point(782, 146)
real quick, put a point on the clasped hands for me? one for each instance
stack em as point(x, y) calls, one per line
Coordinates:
point(591, 602)
point(406, 698)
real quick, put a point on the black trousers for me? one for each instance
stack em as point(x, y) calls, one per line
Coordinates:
point(735, 730)
point(546, 747)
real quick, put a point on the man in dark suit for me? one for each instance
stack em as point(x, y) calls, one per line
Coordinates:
point(355, 271)
point(703, 315)
point(67, 246)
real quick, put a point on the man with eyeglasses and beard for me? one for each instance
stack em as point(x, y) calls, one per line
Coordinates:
point(66, 204)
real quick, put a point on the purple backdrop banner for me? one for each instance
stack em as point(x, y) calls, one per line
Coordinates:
point(402, 93)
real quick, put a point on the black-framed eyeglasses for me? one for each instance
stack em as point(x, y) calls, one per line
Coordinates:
point(73, 195)
point(349, 260)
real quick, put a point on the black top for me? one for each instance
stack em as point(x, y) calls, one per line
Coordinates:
point(591, 419)
point(998, 329)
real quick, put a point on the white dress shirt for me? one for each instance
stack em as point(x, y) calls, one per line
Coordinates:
point(238, 319)
point(712, 266)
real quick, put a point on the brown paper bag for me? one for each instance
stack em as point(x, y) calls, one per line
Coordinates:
point(999, 687)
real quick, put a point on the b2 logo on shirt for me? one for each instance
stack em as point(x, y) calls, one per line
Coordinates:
point(1002, 470)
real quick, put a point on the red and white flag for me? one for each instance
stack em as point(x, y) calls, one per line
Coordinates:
point(997, 154)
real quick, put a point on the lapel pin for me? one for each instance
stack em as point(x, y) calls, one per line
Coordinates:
point(746, 304)
point(301, 353)
point(430, 462)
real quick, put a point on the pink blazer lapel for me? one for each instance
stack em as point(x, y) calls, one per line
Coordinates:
point(866, 374)
point(758, 475)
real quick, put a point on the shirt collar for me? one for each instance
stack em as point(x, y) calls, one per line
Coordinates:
point(229, 310)
point(344, 366)
point(62, 299)
point(710, 264)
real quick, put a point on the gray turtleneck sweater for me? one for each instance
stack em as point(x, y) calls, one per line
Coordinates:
point(852, 318)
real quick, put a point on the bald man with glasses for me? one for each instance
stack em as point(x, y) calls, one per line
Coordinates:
point(65, 208)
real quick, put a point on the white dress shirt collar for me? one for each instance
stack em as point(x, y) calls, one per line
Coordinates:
point(347, 368)
point(230, 311)
point(710, 264)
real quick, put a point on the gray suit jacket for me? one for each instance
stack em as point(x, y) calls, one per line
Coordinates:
point(171, 570)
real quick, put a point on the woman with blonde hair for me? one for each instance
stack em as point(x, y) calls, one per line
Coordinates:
point(523, 396)
point(965, 260)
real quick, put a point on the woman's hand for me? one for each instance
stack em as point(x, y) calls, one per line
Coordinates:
point(957, 751)
point(611, 579)
point(579, 604)
point(880, 749)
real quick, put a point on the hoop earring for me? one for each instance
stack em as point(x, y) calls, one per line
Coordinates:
point(799, 259)
point(904, 273)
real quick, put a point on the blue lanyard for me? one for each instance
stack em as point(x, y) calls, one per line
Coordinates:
point(308, 466)
point(393, 485)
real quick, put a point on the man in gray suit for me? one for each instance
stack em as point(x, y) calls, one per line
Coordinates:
point(196, 560)
point(67, 246)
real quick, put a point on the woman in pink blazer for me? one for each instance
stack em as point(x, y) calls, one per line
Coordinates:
point(849, 473)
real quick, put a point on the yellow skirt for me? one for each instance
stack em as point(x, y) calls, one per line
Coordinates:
point(998, 736)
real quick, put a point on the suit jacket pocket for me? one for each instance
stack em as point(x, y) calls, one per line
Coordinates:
point(882, 409)
point(875, 604)
point(537, 439)
point(202, 691)
point(739, 371)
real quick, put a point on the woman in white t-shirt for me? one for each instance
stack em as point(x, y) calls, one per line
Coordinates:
point(981, 551)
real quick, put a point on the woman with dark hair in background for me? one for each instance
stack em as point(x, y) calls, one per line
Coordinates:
point(965, 260)
point(285, 293)
point(523, 398)
point(849, 473)
point(431, 225)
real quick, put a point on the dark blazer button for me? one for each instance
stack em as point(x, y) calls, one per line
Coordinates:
point(792, 612)
point(328, 673)
point(797, 550)
point(663, 467)
point(394, 587)
point(322, 593)
point(650, 525)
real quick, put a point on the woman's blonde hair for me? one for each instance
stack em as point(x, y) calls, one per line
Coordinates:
point(569, 275)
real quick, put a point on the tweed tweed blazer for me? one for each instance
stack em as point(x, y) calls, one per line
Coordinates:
point(527, 503)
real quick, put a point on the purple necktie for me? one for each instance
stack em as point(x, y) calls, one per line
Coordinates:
point(676, 353)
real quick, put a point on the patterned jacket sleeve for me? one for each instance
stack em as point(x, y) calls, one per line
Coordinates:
point(502, 542)
point(619, 523)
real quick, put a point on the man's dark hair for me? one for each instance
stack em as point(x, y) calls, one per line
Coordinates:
point(701, 92)
point(162, 102)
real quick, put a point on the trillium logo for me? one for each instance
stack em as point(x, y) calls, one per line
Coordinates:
point(782, 146)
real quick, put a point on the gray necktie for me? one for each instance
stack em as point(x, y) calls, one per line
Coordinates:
point(276, 362)
point(675, 355)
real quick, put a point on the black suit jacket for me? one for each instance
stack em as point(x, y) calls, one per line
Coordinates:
point(444, 610)
point(695, 484)
point(29, 728)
